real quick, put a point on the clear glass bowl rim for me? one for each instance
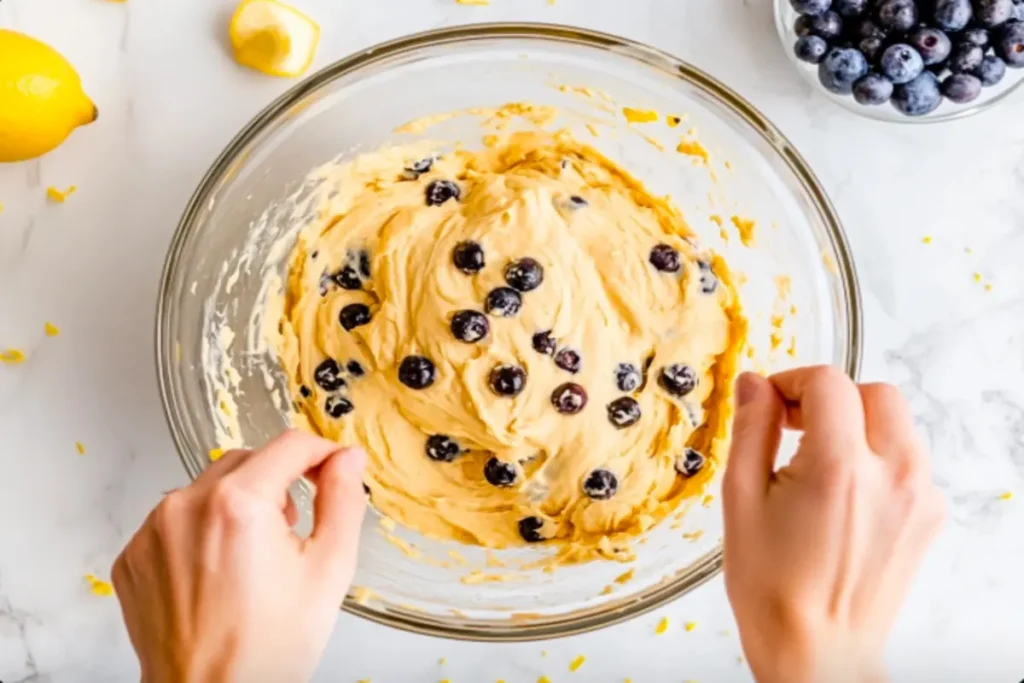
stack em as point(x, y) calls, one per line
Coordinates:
point(587, 619)
point(787, 37)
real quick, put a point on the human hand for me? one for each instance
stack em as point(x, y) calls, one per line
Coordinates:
point(819, 554)
point(216, 586)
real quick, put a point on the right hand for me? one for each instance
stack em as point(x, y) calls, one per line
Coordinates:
point(820, 554)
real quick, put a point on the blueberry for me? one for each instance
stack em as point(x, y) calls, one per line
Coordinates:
point(544, 343)
point(569, 398)
point(623, 412)
point(991, 71)
point(953, 15)
point(354, 315)
point(812, 7)
point(840, 69)
point(503, 302)
point(873, 89)
point(828, 25)
point(348, 278)
point(867, 28)
point(337, 406)
point(871, 48)
point(678, 379)
point(901, 63)
point(415, 170)
point(305, 391)
point(468, 257)
point(708, 279)
point(975, 36)
point(601, 484)
point(628, 377)
point(568, 359)
point(364, 264)
point(849, 8)
point(993, 13)
point(440, 191)
point(524, 275)
point(442, 448)
point(802, 25)
point(810, 49)
point(689, 463)
point(665, 258)
point(498, 473)
point(961, 88)
point(932, 44)
point(897, 15)
point(965, 59)
point(1010, 45)
point(328, 375)
point(417, 372)
point(507, 380)
point(918, 97)
point(355, 369)
point(530, 529)
point(470, 326)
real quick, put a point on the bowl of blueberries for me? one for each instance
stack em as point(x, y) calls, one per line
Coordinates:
point(907, 60)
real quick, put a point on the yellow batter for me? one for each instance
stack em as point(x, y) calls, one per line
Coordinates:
point(388, 241)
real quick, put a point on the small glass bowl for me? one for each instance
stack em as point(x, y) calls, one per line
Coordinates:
point(355, 105)
point(785, 16)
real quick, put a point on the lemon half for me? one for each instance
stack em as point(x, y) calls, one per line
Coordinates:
point(273, 38)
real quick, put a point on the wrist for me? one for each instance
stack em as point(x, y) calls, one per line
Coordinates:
point(815, 660)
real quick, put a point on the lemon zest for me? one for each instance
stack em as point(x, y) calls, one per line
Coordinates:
point(58, 196)
point(12, 356)
point(662, 626)
point(51, 330)
point(99, 586)
point(576, 663)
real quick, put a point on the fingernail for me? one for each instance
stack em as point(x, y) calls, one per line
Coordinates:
point(747, 385)
point(352, 459)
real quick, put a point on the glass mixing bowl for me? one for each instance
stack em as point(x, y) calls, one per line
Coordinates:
point(354, 105)
point(785, 17)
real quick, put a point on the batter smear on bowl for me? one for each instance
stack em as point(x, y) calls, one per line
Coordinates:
point(544, 352)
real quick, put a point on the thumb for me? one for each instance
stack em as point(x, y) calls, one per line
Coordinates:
point(756, 432)
point(339, 508)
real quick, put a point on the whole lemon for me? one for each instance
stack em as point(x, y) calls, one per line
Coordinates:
point(41, 98)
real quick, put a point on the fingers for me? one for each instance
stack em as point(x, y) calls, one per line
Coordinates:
point(888, 425)
point(823, 402)
point(270, 471)
point(339, 507)
point(757, 429)
point(226, 463)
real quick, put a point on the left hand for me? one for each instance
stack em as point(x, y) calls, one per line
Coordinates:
point(216, 586)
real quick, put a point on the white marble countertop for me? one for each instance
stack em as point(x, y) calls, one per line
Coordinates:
point(170, 99)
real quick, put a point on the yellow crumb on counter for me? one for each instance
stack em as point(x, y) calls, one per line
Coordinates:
point(543, 679)
point(716, 219)
point(472, 2)
point(12, 356)
point(988, 287)
point(1006, 496)
point(977, 277)
point(640, 115)
point(690, 625)
point(708, 500)
point(968, 250)
point(99, 586)
point(80, 447)
point(58, 196)
point(662, 626)
point(442, 661)
point(576, 663)
point(51, 330)
point(791, 351)
point(215, 454)
point(543, 653)
point(728, 166)
point(693, 148)
point(673, 121)
point(745, 228)
point(927, 239)
point(364, 680)
point(775, 340)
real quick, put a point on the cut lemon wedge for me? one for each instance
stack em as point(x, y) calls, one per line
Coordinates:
point(273, 38)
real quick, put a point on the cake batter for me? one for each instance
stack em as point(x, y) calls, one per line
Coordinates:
point(528, 344)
